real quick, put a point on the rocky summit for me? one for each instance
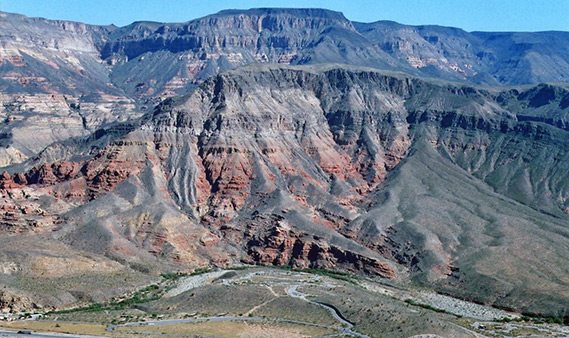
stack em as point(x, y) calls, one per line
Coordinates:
point(283, 137)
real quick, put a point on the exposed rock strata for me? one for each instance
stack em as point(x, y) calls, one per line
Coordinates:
point(451, 186)
point(329, 167)
point(77, 78)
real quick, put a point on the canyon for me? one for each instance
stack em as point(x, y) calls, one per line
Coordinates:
point(422, 155)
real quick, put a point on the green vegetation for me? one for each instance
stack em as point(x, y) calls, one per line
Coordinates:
point(428, 307)
point(341, 275)
point(173, 275)
point(240, 268)
point(25, 315)
point(138, 298)
point(147, 294)
point(535, 320)
point(262, 296)
point(151, 288)
point(201, 271)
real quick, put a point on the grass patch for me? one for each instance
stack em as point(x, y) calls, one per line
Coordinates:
point(232, 329)
point(58, 327)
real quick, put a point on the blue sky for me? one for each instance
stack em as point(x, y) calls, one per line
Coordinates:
point(486, 15)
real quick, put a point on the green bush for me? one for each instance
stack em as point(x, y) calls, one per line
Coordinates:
point(341, 275)
point(428, 307)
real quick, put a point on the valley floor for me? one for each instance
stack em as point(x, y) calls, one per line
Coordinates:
point(269, 302)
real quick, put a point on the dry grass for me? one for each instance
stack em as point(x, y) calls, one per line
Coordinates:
point(98, 317)
point(212, 299)
point(381, 316)
point(296, 309)
point(528, 332)
point(59, 327)
point(233, 330)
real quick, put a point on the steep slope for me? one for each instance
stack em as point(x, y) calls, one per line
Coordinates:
point(333, 167)
point(456, 234)
point(517, 58)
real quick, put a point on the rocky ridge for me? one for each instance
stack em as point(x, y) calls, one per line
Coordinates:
point(79, 77)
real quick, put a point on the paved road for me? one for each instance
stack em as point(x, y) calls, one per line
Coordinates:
point(11, 334)
point(293, 292)
point(192, 320)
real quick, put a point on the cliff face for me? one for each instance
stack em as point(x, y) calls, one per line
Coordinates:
point(398, 165)
point(150, 60)
point(180, 56)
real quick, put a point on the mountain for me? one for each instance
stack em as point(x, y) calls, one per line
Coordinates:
point(83, 77)
point(155, 148)
point(329, 167)
point(54, 85)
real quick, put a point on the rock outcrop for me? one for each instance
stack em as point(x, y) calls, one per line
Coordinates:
point(331, 167)
point(361, 170)
point(77, 78)
point(12, 303)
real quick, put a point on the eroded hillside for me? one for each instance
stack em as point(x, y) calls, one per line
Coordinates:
point(447, 185)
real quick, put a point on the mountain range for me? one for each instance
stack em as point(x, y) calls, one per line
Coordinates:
point(422, 155)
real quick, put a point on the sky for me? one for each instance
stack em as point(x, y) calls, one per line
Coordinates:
point(470, 15)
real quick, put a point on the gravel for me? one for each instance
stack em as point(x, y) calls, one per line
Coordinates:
point(449, 304)
point(461, 307)
point(192, 282)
